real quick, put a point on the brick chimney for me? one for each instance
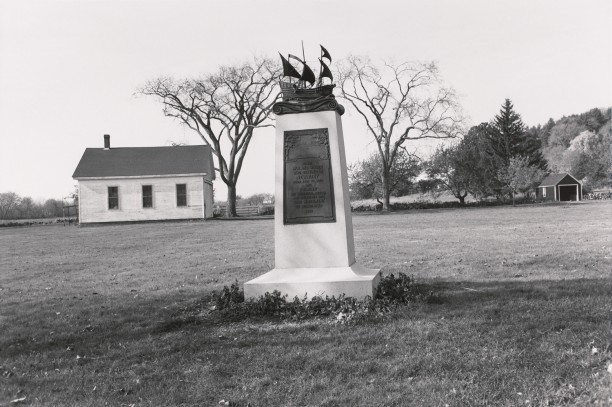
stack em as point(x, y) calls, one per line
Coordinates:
point(107, 141)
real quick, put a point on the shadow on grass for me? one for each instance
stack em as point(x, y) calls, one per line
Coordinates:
point(474, 292)
point(86, 324)
point(541, 304)
point(483, 340)
point(483, 343)
point(123, 319)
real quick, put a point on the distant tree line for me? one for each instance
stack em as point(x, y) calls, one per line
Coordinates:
point(499, 158)
point(13, 206)
point(399, 104)
point(503, 158)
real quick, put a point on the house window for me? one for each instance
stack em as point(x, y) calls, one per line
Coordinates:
point(544, 192)
point(181, 194)
point(113, 197)
point(147, 196)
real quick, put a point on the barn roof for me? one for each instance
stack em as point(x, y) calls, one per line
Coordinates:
point(554, 179)
point(145, 161)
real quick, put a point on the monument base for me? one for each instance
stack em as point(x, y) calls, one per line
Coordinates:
point(355, 281)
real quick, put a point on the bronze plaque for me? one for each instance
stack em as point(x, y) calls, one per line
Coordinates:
point(308, 189)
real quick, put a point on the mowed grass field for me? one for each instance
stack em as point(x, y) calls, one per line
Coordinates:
point(118, 315)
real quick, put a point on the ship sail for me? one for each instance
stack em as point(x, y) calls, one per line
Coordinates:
point(288, 69)
point(307, 74)
point(309, 93)
point(325, 54)
point(294, 57)
point(325, 72)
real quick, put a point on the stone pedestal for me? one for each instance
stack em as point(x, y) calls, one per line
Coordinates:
point(313, 228)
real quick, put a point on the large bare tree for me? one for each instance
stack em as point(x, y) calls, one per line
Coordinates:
point(224, 109)
point(8, 202)
point(399, 103)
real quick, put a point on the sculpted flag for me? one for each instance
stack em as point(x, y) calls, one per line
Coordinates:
point(325, 54)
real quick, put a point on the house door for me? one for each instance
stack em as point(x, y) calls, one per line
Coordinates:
point(568, 193)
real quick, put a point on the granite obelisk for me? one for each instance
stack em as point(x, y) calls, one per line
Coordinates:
point(313, 228)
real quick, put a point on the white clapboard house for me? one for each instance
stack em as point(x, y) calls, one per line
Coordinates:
point(135, 184)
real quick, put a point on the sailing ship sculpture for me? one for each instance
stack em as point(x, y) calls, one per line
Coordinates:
point(303, 92)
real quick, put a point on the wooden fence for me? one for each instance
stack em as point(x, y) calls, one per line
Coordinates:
point(246, 211)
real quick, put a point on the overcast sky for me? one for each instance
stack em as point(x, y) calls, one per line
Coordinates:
point(69, 69)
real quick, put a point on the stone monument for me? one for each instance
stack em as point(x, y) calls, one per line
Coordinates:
point(313, 228)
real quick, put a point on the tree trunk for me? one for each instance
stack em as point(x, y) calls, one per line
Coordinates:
point(386, 192)
point(379, 203)
point(513, 203)
point(461, 199)
point(231, 202)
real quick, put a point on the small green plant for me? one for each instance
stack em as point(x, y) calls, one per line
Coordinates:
point(391, 292)
point(269, 304)
point(402, 290)
point(398, 289)
point(228, 297)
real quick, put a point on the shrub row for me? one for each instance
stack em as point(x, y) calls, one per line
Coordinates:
point(391, 292)
point(34, 222)
point(397, 206)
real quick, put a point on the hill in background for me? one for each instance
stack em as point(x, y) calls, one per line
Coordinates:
point(579, 144)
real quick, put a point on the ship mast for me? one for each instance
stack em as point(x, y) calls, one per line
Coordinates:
point(303, 59)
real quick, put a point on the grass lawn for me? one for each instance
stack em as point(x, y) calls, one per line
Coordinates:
point(117, 315)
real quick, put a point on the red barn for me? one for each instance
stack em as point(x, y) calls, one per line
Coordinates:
point(559, 187)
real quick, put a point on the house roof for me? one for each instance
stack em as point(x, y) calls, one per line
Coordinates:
point(554, 179)
point(145, 161)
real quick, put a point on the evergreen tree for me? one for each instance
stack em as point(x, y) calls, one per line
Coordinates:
point(509, 139)
point(508, 130)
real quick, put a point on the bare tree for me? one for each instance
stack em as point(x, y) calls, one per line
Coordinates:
point(399, 103)
point(224, 109)
point(27, 209)
point(8, 202)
